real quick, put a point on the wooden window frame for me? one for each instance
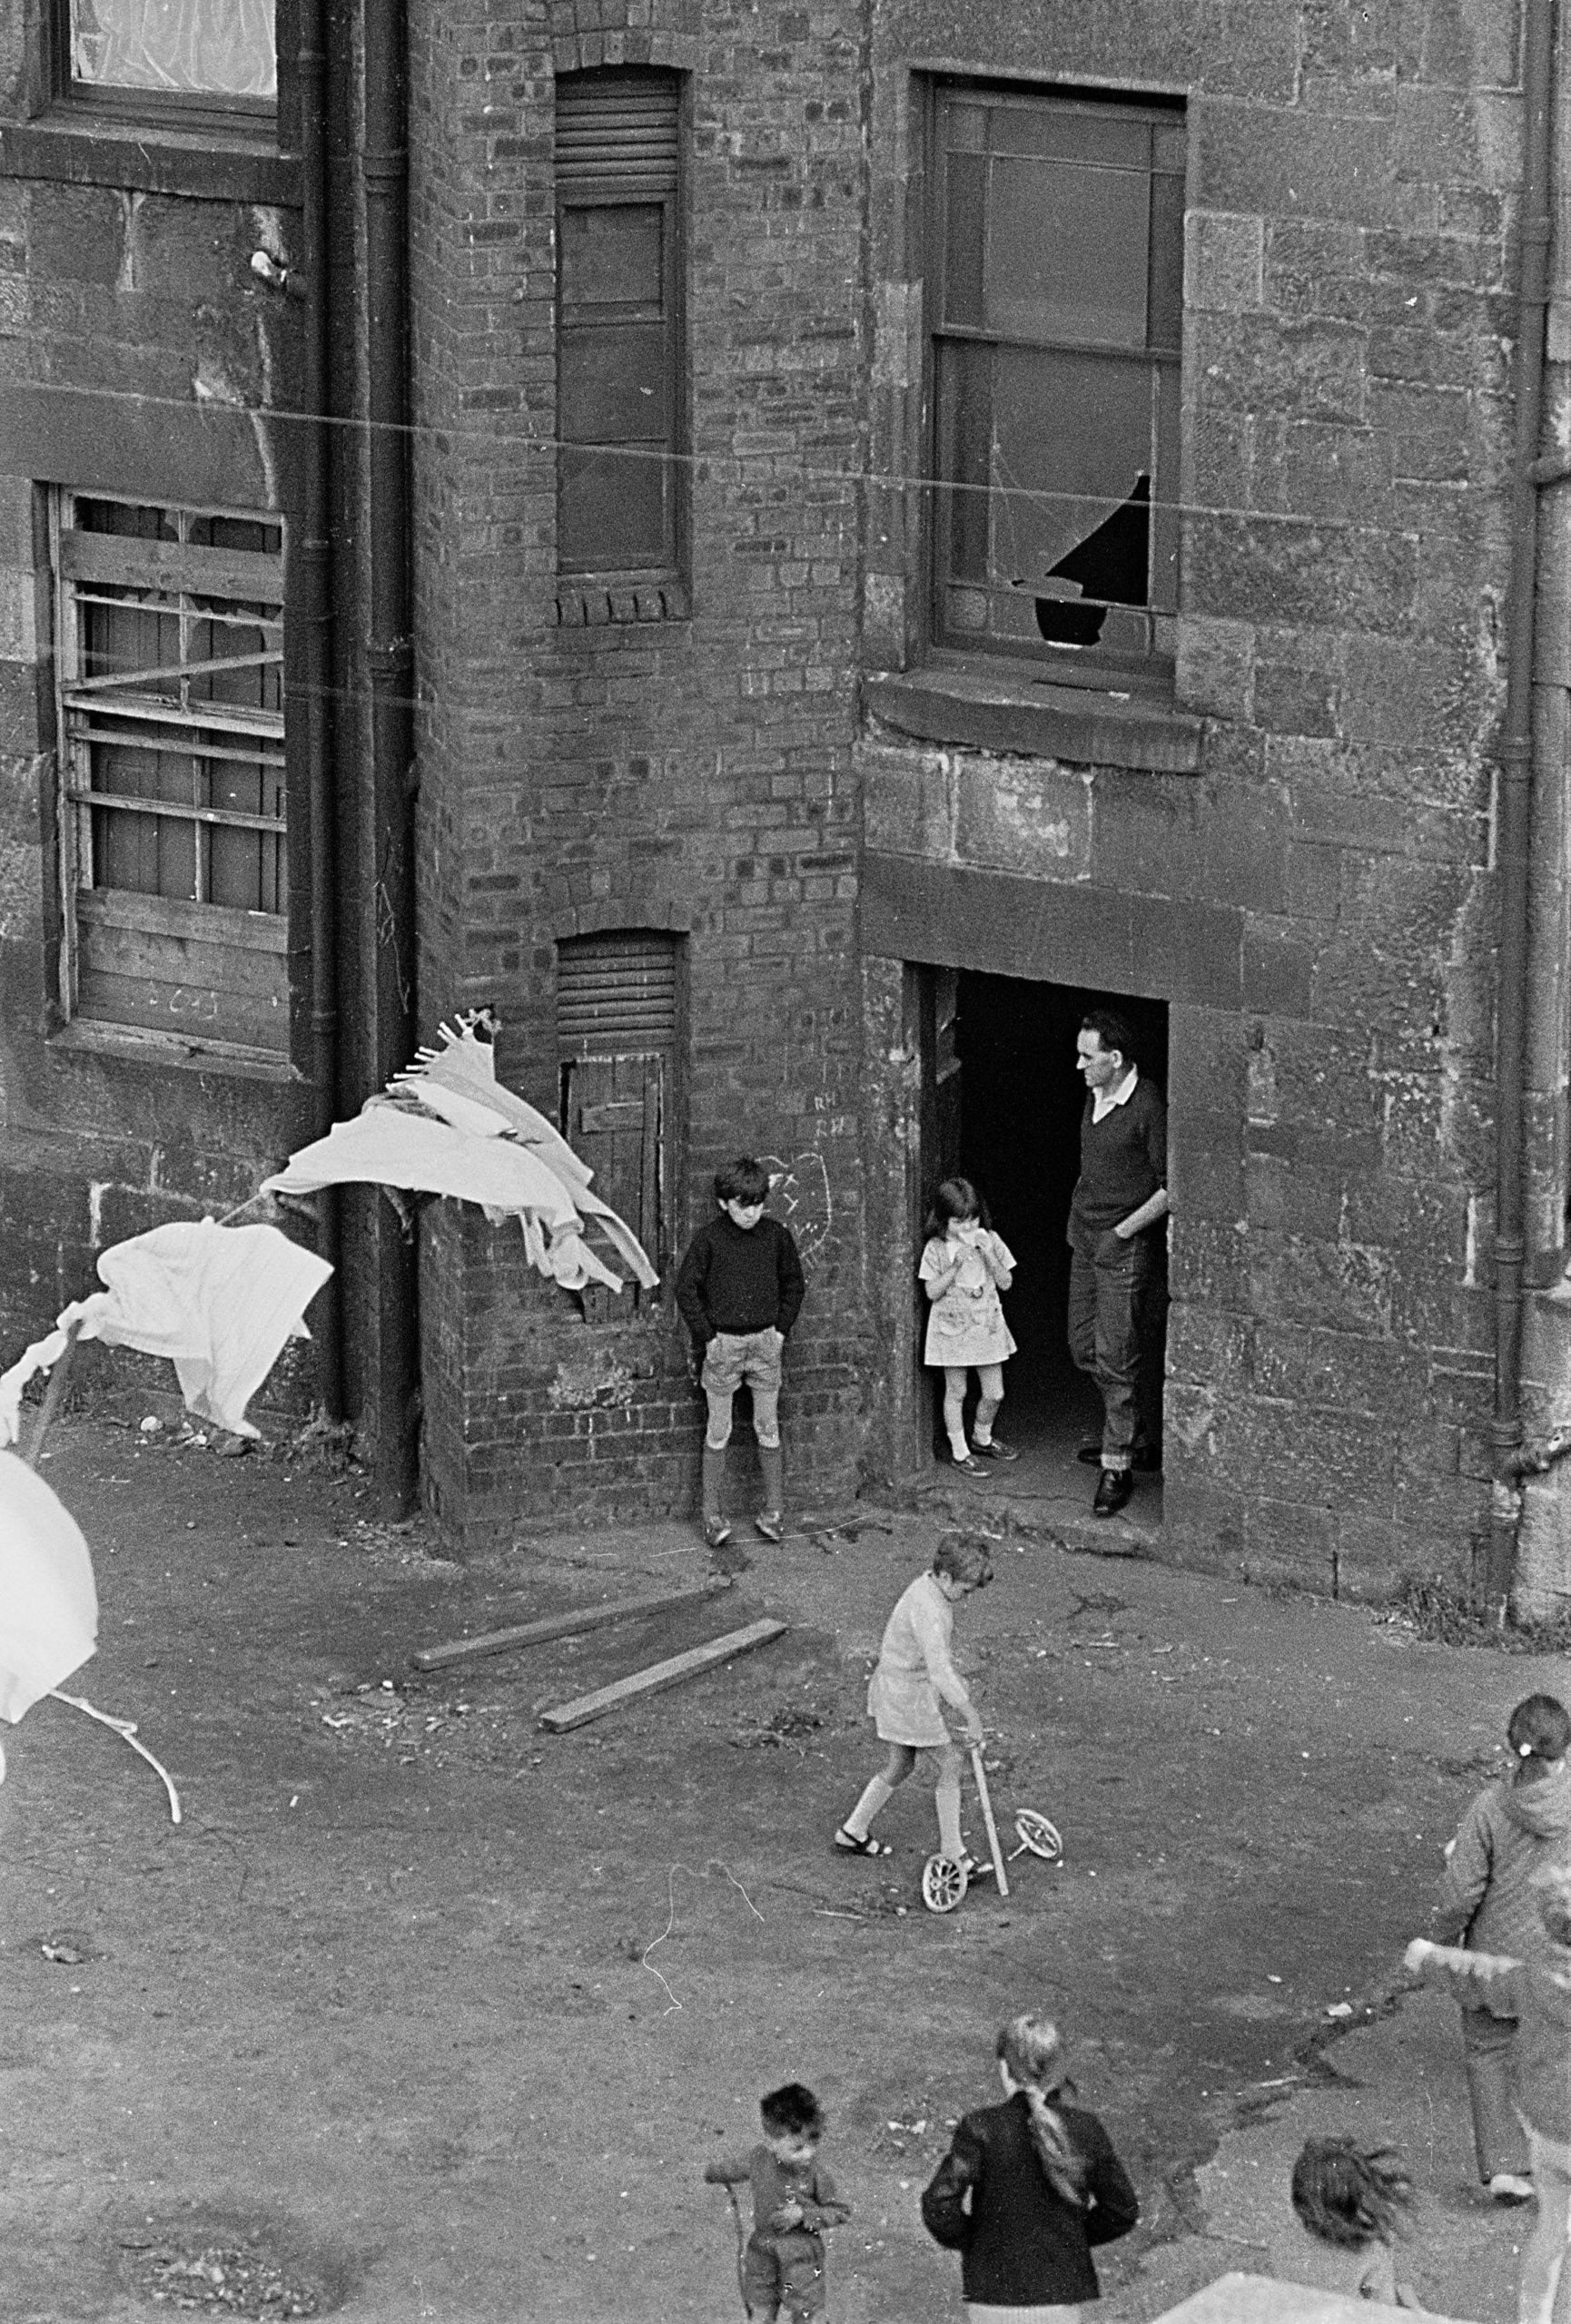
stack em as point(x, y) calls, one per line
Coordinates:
point(185, 110)
point(603, 592)
point(212, 975)
point(1098, 664)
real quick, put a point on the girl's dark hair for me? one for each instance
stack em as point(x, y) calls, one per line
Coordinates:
point(743, 1180)
point(1350, 2195)
point(792, 2110)
point(1540, 1728)
point(955, 1199)
point(966, 1557)
point(1032, 2049)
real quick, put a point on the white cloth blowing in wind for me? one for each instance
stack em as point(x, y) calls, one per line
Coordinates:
point(219, 1301)
point(480, 1143)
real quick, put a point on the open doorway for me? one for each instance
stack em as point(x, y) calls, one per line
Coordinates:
point(1012, 1110)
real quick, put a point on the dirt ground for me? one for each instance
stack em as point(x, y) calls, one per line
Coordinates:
point(422, 2012)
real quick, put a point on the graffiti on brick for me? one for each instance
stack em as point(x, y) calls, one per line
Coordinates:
point(800, 1192)
point(594, 1378)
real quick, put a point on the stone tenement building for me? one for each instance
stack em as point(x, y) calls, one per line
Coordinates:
point(788, 549)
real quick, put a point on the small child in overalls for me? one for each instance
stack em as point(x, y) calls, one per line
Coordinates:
point(794, 2200)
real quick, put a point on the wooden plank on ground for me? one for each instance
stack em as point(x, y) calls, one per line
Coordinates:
point(582, 1618)
point(671, 1673)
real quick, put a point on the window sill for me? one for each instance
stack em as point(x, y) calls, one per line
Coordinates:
point(90, 1037)
point(993, 710)
point(619, 604)
point(224, 163)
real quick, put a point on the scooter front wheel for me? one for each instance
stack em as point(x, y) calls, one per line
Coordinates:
point(1039, 1835)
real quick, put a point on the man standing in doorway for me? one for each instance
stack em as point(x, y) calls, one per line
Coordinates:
point(1118, 1241)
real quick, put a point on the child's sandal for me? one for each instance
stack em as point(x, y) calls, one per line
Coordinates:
point(849, 1845)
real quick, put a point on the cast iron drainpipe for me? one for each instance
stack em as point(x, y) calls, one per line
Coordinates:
point(1515, 759)
point(313, 604)
point(383, 162)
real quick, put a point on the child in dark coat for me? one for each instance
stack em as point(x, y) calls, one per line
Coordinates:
point(1488, 1904)
point(794, 2200)
point(1027, 2188)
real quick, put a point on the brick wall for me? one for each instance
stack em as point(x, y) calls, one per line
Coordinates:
point(132, 334)
point(690, 775)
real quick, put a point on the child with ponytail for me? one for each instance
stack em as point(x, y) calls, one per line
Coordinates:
point(1027, 2188)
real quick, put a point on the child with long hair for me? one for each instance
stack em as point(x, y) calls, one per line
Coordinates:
point(914, 1678)
point(1536, 1994)
point(1353, 2201)
point(1028, 2189)
point(964, 1266)
point(1487, 1905)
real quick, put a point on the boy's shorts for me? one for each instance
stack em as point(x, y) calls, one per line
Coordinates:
point(790, 2280)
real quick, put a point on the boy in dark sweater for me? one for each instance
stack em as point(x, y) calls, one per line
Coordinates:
point(740, 1289)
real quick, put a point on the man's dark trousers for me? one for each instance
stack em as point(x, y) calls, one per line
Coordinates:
point(1117, 1314)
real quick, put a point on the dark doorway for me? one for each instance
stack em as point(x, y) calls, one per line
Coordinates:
point(1019, 1105)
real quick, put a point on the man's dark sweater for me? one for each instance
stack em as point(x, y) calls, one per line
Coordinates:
point(1122, 1162)
point(740, 1279)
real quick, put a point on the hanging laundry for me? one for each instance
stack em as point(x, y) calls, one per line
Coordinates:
point(447, 1127)
point(219, 1301)
point(48, 1602)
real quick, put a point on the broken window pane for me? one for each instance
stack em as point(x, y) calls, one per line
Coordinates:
point(215, 48)
point(1055, 522)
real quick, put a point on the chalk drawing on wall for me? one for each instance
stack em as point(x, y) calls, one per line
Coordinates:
point(799, 1190)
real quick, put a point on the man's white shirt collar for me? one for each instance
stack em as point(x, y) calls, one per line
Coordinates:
point(1102, 1101)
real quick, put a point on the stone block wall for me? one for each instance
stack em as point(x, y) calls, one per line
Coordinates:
point(691, 775)
point(1315, 898)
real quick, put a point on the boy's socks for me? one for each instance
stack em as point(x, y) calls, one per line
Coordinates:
point(714, 1478)
point(772, 1461)
point(948, 1799)
point(957, 1444)
point(877, 1795)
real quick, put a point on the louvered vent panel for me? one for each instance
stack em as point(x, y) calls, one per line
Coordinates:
point(618, 130)
point(615, 994)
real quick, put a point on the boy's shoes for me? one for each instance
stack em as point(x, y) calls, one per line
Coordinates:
point(1114, 1488)
point(717, 1532)
point(1510, 2187)
point(970, 1466)
point(994, 1450)
point(771, 1524)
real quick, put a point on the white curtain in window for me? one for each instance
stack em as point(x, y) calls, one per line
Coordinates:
point(201, 47)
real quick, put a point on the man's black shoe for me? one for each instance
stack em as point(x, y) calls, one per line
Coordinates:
point(1114, 1488)
point(1089, 1451)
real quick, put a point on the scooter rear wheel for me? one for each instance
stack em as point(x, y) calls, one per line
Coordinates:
point(943, 1883)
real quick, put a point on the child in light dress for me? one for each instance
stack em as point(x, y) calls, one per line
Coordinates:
point(964, 1266)
point(915, 1677)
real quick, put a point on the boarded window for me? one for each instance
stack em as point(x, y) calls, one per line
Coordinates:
point(1057, 298)
point(171, 701)
point(617, 1012)
point(175, 49)
point(618, 330)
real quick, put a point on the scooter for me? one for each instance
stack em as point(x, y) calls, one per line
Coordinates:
point(944, 1879)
